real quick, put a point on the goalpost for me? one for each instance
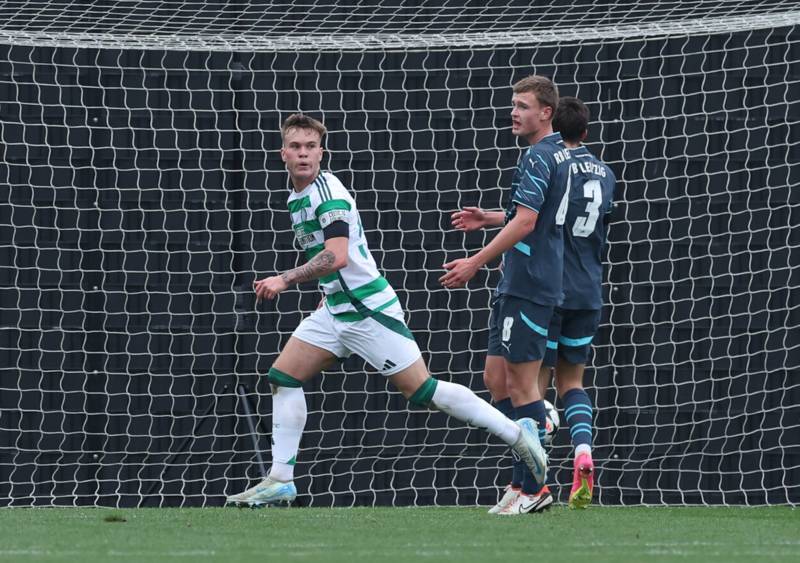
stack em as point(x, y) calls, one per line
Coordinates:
point(141, 193)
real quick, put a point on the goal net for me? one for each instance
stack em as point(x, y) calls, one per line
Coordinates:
point(141, 193)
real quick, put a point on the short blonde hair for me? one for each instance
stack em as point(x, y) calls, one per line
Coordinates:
point(542, 87)
point(301, 121)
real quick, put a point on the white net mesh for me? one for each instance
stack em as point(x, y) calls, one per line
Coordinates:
point(265, 25)
point(141, 192)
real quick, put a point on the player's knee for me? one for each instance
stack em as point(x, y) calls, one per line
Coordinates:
point(522, 388)
point(513, 391)
point(495, 385)
point(488, 382)
point(494, 377)
point(423, 396)
point(279, 378)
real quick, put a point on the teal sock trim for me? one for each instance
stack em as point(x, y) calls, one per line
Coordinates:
point(423, 396)
point(280, 379)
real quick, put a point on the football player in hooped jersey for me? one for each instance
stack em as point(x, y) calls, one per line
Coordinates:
point(576, 320)
point(360, 314)
point(531, 244)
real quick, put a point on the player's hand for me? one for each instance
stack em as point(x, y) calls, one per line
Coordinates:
point(459, 272)
point(269, 288)
point(469, 219)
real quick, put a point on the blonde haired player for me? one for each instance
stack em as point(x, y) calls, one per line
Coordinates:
point(361, 314)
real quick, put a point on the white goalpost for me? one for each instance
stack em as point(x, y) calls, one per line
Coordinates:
point(141, 193)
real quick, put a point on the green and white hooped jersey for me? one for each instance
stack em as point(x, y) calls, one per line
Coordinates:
point(358, 289)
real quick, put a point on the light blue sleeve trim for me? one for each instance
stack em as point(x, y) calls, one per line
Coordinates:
point(524, 248)
point(543, 162)
point(532, 325)
point(552, 345)
point(532, 193)
point(537, 180)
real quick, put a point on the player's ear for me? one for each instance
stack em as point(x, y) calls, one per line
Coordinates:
point(584, 135)
point(283, 154)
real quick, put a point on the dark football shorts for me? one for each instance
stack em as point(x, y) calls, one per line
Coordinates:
point(518, 329)
point(573, 330)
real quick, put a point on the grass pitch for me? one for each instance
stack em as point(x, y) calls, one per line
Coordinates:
point(386, 535)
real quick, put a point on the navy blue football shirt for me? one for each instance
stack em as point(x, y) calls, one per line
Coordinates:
point(532, 268)
point(590, 199)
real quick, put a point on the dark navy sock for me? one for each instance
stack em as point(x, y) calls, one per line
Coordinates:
point(508, 409)
point(578, 412)
point(537, 412)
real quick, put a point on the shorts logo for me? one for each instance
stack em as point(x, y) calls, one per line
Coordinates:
point(388, 364)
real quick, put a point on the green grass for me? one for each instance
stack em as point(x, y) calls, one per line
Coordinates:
point(400, 534)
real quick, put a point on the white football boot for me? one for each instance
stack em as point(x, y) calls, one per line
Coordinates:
point(526, 504)
point(510, 494)
point(268, 492)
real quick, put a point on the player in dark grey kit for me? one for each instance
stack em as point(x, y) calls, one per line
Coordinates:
point(575, 321)
point(532, 248)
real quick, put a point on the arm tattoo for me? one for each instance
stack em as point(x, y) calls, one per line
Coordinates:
point(319, 266)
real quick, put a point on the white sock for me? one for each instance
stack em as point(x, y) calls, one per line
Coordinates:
point(461, 403)
point(583, 449)
point(288, 421)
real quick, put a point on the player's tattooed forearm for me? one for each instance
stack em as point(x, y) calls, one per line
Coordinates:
point(320, 265)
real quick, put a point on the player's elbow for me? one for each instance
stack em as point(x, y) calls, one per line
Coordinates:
point(339, 262)
point(525, 220)
point(526, 224)
point(337, 246)
point(529, 225)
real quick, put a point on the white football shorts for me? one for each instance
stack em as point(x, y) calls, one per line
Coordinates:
point(383, 340)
